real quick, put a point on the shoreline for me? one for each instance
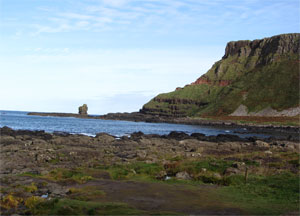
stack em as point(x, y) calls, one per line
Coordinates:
point(66, 167)
point(140, 117)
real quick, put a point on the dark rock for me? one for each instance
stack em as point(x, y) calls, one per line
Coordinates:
point(137, 135)
point(7, 131)
point(178, 135)
point(198, 136)
point(228, 137)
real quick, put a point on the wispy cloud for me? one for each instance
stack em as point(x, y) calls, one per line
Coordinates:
point(95, 15)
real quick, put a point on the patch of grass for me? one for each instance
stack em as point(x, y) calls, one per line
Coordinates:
point(264, 195)
point(86, 193)
point(210, 164)
point(33, 201)
point(30, 188)
point(77, 207)
point(77, 175)
point(141, 169)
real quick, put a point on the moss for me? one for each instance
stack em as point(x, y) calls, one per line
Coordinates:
point(10, 201)
point(30, 188)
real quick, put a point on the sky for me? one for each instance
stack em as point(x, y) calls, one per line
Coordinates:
point(115, 55)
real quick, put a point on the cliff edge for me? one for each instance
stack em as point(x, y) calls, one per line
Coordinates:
point(259, 77)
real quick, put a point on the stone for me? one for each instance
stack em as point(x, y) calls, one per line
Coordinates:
point(183, 176)
point(260, 143)
point(104, 138)
point(161, 175)
point(82, 110)
point(268, 152)
point(141, 154)
point(231, 171)
point(238, 165)
point(217, 176)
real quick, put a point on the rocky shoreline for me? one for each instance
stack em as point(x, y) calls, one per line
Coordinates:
point(35, 158)
point(292, 131)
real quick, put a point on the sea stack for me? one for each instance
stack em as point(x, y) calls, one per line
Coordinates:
point(82, 110)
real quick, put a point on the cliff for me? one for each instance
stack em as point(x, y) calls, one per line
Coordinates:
point(259, 77)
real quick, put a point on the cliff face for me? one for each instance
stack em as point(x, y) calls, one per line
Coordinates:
point(259, 74)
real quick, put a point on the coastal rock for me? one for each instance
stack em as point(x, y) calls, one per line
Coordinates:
point(105, 138)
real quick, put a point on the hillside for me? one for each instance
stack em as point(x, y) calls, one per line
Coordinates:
point(259, 77)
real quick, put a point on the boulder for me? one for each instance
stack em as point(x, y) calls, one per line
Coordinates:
point(105, 138)
point(263, 144)
point(231, 171)
point(161, 175)
point(183, 176)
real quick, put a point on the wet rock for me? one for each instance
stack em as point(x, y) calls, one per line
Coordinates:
point(228, 138)
point(178, 135)
point(7, 131)
point(198, 136)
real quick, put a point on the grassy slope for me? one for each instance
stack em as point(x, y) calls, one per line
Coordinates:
point(275, 85)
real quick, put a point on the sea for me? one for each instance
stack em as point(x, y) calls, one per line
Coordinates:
point(19, 120)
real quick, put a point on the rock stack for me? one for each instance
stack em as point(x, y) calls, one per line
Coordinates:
point(82, 110)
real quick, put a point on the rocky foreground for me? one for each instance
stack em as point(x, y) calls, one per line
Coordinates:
point(59, 173)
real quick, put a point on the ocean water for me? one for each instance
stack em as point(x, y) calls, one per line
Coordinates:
point(20, 120)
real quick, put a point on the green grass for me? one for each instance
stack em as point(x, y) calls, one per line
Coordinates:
point(86, 193)
point(265, 195)
point(77, 207)
point(76, 175)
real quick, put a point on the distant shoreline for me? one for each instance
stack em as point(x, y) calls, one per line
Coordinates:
point(140, 117)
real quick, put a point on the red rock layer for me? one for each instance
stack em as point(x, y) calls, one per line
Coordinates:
point(203, 80)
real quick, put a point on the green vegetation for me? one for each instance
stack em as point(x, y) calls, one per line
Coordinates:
point(86, 193)
point(75, 175)
point(257, 86)
point(265, 195)
point(76, 207)
point(30, 188)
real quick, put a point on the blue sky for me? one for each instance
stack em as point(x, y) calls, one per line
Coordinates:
point(115, 55)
